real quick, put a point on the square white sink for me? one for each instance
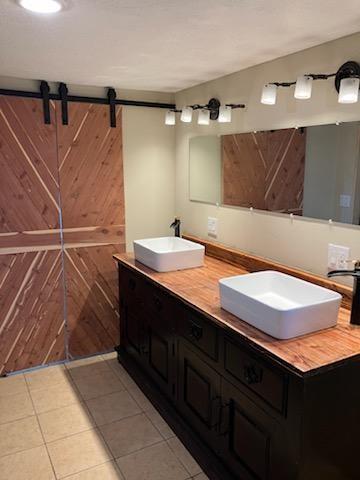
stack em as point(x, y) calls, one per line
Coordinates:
point(166, 254)
point(280, 305)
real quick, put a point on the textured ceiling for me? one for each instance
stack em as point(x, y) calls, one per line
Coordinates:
point(163, 45)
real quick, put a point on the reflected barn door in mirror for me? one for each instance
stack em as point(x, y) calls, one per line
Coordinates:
point(264, 170)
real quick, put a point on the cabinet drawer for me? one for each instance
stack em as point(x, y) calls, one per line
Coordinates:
point(132, 287)
point(199, 332)
point(266, 381)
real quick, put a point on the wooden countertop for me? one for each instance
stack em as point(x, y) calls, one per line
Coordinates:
point(305, 355)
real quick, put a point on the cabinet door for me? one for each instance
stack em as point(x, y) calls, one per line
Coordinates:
point(198, 393)
point(160, 346)
point(252, 440)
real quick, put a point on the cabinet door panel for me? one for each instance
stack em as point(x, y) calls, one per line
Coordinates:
point(252, 439)
point(198, 397)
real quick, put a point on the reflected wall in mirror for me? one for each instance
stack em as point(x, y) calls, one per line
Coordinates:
point(205, 169)
point(312, 171)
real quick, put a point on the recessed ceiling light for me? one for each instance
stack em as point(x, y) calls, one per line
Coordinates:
point(41, 6)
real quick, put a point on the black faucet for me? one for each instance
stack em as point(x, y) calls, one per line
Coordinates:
point(176, 226)
point(355, 307)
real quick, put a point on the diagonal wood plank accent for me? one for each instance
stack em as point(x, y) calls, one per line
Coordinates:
point(92, 299)
point(31, 310)
point(264, 170)
point(91, 174)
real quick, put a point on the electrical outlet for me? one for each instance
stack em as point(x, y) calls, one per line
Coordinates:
point(338, 257)
point(212, 226)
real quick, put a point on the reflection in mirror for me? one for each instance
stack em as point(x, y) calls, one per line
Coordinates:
point(205, 169)
point(312, 171)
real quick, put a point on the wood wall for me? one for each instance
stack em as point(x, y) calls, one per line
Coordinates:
point(265, 170)
point(61, 219)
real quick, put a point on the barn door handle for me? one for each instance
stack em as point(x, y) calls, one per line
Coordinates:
point(253, 374)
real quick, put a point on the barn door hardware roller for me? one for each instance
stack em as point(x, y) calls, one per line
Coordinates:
point(112, 102)
point(63, 94)
point(45, 95)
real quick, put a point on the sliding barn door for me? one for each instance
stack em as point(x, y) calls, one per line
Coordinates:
point(32, 325)
point(93, 217)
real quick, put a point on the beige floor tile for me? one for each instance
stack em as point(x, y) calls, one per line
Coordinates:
point(46, 377)
point(107, 471)
point(112, 407)
point(130, 434)
point(65, 421)
point(56, 396)
point(33, 464)
point(20, 435)
point(153, 463)
point(12, 385)
point(87, 367)
point(96, 385)
point(143, 402)
point(184, 456)
point(159, 423)
point(78, 452)
point(14, 407)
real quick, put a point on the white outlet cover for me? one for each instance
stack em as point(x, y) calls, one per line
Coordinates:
point(212, 226)
point(345, 201)
point(338, 255)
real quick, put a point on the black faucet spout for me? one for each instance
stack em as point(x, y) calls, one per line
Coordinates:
point(176, 226)
point(355, 307)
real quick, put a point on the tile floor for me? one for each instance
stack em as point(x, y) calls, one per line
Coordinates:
point(86, 420)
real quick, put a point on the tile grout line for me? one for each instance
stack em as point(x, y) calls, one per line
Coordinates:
point(41, 431)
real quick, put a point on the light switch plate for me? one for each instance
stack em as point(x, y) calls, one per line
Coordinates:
point(345, 201)
point(212, 226)
point(338, 255)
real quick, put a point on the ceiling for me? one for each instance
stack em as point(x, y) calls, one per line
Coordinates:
point(163, 45)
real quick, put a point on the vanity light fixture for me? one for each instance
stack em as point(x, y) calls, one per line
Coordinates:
point(204, 117)
point(213, 110)
point(42, 6)
point(224, 114)
point(170, 118)
point(347, 84)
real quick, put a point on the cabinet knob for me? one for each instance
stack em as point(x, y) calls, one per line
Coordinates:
point(253, 374)
point(196, 331)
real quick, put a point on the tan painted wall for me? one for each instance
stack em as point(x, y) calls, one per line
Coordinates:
point(299, 242)
point(149, 167)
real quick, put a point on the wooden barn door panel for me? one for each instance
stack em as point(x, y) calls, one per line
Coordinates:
point(32, 329)
point(92, 194)
point(265, 170)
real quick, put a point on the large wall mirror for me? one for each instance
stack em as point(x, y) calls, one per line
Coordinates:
point(311, 171)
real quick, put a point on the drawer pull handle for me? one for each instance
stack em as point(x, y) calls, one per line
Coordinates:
point(132, 284)
point(253, 374)
point(196, 331)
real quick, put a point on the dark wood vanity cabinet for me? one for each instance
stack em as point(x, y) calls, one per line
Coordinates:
point(262, 420)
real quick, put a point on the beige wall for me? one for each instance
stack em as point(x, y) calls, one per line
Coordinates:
point(298, 242)
point(149, 168)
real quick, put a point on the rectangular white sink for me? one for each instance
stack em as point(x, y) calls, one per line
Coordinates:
point(278, 304)
point(166, 254)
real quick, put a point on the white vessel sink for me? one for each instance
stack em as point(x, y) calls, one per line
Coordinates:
point(280, 305)
point(165, 254)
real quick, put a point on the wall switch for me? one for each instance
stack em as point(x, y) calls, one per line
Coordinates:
point(338, 257)
point(212, 226)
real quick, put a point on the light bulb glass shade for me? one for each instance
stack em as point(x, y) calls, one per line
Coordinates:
point(303, 87)
point(41, 6)
point(224, 114)
point(170, 118)
point(349, 90)
point(204, 117)
point(186, 114)
point(268, 96)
